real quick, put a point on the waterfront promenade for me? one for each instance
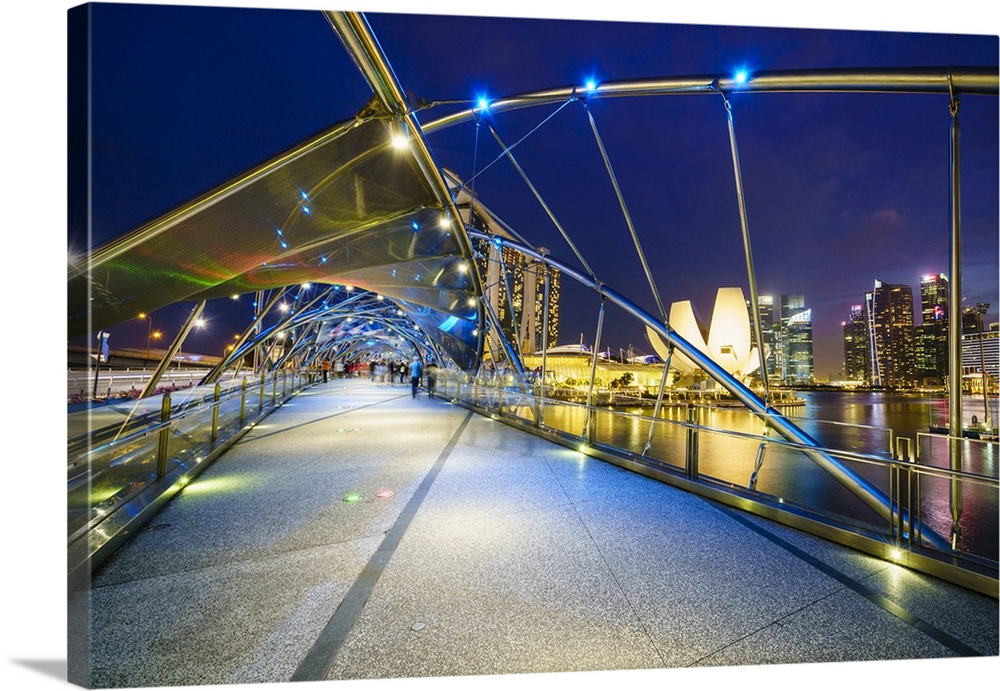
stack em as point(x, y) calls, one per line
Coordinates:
point(357, 533)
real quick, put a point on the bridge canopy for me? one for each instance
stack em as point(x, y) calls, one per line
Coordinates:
point(347, 207)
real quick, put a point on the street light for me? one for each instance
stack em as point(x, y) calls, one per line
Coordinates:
point(149, 332)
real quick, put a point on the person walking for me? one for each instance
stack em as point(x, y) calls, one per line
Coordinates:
point(432, 371)
point(416, 369)
point(326, 370)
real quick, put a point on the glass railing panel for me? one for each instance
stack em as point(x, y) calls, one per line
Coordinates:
point(788, 473)
point(230, 407)
point(669, 440)
point(977, 517)
point(108, 466)
point(846, 436)
point(563, 416)
point(519, 404)
point(977, 498)
point(109, 476)
point(631, 430)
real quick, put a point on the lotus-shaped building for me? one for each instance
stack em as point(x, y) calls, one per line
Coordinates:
point(726, 340)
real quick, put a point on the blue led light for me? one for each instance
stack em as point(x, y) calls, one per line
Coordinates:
point(591, 85)
point(448, 323)
point(305, 196)
point(483, 103)
point(741, 76)
point(498, 242)
point(415, 226)
point(305, 209)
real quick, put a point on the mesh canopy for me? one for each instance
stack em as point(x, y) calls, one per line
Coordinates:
point(344, 207)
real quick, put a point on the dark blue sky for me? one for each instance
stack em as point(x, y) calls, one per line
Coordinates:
point(841, 189)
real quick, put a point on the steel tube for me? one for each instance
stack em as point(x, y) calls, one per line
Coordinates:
point(955, 330)
point(935, 80)
point(360, 42)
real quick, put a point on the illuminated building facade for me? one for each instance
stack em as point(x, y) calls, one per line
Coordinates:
point(515, 286)
point(981, 353)
point(796, 337)
point(931, 336)
point(857, 354)
point(765, 304)
point(889, 312)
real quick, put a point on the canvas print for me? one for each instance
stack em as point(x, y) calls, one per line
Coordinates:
point(466, 349)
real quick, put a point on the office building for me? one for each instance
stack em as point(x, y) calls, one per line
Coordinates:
point(931, 336)
point(857, 354)
point(796, 353)
point(889, 312)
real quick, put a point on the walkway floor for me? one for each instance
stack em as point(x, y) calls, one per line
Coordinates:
point(358, 533)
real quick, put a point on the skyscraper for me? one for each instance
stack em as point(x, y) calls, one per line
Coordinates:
point(889, 311)
point(796, 341)
point(766, 305)
point(931, 336)
point(857, 354)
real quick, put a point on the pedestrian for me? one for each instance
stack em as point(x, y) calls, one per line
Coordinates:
point(326, 370)
point(432, 371)
point(416, 369)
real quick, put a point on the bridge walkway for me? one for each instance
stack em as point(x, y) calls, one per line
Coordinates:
point(358, 533)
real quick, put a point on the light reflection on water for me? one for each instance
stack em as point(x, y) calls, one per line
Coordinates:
point(865, 423)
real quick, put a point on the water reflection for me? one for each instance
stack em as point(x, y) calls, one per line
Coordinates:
point(870, 424)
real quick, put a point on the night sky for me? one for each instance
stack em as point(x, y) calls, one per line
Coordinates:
point(841, 189)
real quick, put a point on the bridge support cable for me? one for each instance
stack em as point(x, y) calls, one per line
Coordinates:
point(590, 424)
point(164, 363)
point(545, 207)
point(659, 396)
point(955, 321)
point(506, 150)
point(625, 212)
point(645, 268)
point(868, 493)
point(752, 279)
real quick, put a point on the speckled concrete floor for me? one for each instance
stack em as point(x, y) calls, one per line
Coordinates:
point(475, 549)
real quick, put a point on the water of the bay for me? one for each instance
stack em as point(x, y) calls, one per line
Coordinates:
point(865, 423)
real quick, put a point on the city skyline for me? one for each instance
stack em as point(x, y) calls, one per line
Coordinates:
point(834, 198)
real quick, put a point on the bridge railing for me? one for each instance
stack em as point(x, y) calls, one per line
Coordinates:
point(717, 454)
point(125, 466)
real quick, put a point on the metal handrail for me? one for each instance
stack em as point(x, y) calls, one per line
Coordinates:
point(104, 531)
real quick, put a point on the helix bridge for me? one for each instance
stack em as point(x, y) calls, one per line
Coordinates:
point(373, 248)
